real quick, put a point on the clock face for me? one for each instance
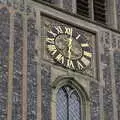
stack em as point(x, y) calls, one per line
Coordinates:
point(68, 47)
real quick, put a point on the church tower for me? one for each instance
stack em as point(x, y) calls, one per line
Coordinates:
point(59, 60)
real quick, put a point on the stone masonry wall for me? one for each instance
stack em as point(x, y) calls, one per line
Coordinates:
point(94, 98)
point(17, 72)
point(117, 79)
point(32, 72)
point(4, 50)
point(107, 90)
point(46, 91)
point(109, 42)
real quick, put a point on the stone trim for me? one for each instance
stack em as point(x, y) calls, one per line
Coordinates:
point(115, 14)
point(61, 3)
point(10, 76)
point(24, 81)
point(74, 9)
point(67, 80)
point(113, 87)
point(38, 58)
point(100, 77)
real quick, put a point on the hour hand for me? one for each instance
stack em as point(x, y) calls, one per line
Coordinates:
point(69, 47)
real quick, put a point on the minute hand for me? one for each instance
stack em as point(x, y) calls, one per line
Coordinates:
point(69, 47)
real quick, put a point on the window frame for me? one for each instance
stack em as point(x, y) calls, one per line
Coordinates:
point(69, 81)
point(78, 95)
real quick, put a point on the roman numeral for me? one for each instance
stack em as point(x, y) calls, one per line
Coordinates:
point(68, 31)
point(85, 61)
point(59, 29)
point(78, 36)
point(50, 40)
point(54, 34)
point(84, 45)
point(79, 65)
point(60, 58)
point(52, 49)
point(70, 64)
point(88, 54)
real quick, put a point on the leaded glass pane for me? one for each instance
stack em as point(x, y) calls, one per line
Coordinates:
point(74, 107)
point(61, 105)
point(68, 104)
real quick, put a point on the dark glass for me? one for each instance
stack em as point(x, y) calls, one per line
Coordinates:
point(83, 8)
point(99, 11)
point(68, 104)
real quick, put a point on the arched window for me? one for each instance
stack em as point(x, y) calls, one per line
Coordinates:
point(68, 104)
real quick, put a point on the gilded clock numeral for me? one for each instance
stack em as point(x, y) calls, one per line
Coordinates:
point(85, 61)
point(59, 29)
point(84, 45)
point(88, 54)
point(79, 65)
point(52, 49)
point(50, 40)
point(68, 31)
point(78, 37)
point(60, 58)
point(70, 64)
point(51, 32)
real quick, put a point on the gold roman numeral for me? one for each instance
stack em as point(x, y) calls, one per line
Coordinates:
point(50, 40)
point(79, 65)
point(88, 54)
point(51, 32)
point(60, 58)
point(59, 29)
point(70, 64)
point(68, 31)
point(78, 37)
point(84, 45)
point(85, 61)
point(52, 49)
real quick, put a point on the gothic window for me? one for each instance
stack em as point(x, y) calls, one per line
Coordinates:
point(68, 104)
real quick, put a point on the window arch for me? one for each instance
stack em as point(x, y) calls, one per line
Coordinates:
point(70, 100)
point(69, 104)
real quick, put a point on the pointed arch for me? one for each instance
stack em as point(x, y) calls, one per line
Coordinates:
point(73, 105)
point(68, 80)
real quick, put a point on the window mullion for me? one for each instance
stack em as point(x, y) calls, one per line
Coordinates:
point(67, 107)
point(91, 9)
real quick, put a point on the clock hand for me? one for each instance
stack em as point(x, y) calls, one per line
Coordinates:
point(69, 47)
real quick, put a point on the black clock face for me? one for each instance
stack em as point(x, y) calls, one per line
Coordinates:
point(69, 48)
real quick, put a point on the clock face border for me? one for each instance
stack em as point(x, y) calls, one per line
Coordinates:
point(56, 30)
